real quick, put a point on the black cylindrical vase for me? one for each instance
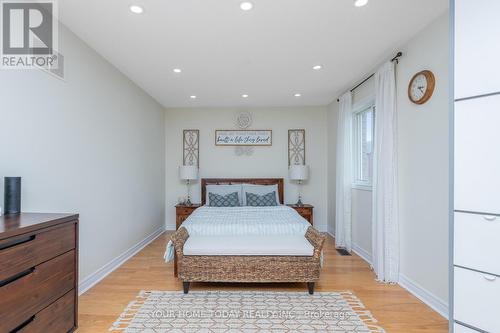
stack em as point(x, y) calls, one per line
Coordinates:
point(12, 195)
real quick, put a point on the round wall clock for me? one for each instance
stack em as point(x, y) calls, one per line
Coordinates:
point(421, 87)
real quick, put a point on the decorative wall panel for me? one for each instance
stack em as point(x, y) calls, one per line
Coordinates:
point(296, 147)
point(191, 147)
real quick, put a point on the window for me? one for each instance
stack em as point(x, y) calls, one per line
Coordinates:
point(363, 136)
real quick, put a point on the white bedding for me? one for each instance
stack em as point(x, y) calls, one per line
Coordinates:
point(243, 221)
point(248, 246)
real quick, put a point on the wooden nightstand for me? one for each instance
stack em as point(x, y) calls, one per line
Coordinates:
point(306, 211)
point(182, 212)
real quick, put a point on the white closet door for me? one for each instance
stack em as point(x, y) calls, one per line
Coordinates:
point(477, 47)
point(477, 155)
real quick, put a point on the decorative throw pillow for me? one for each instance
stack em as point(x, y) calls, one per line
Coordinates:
point(224, 189)
point(259, 190)
point(261, 200)
point(228, 200)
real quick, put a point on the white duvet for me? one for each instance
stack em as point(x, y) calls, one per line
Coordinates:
point(242, 221)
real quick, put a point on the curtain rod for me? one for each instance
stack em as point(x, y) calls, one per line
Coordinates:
point(396, 59)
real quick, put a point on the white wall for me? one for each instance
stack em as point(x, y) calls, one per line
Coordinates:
point(361, 220)
point(423, 167)
point(265, 162)
point(92, 144)
point(423, 163)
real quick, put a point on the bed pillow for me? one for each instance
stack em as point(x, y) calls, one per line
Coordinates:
point(256, 200)
point(259, 190)
point(223, 190)
point(228, 200)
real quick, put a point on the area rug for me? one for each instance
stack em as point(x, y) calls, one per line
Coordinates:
point(244, 311)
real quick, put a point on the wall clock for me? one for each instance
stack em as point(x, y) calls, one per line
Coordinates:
point(421, 87)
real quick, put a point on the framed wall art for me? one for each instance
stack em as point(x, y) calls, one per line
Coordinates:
point(296, 147)
point(191, 147)
point(243, 137)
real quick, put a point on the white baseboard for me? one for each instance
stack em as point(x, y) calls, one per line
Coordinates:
point(170, 227)
point(365, 255)
point(104, 271)
point(425, 296)
point(414, 288)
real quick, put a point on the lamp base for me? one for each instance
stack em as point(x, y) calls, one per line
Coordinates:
point(299, 203)
point(188, 201)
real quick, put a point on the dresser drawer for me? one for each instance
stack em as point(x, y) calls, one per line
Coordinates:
point(184, 211)
point(22, 252)
point(477, 241)
point(36, 288)
point(477, 300)
point(59, 317)
point(303, 211)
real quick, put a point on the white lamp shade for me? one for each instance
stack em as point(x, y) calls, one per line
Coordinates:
point(298, 172)
point(188, 172)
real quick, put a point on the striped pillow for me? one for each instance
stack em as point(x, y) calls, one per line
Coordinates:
point(228, 200)
point(261, 200)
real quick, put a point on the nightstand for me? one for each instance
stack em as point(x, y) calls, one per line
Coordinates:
point(182, 212)
point(306, 211)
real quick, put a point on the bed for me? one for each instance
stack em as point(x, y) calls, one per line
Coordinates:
point(247, 244)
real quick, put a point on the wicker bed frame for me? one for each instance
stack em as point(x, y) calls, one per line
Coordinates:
point(248, 268)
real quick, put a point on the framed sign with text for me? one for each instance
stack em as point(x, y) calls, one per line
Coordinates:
point(243, 137)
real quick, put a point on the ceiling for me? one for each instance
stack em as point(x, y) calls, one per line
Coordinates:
point(267, 53)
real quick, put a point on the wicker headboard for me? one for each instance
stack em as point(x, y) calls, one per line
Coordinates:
point(229, 181)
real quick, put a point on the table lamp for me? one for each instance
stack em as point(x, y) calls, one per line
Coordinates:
point(299, 173)
point(188, 173)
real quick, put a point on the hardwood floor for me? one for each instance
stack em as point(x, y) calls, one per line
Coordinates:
point(396, 310)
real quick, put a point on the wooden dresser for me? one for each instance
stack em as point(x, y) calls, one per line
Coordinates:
point(38, 273)
point(306, 211)
point(182, 212)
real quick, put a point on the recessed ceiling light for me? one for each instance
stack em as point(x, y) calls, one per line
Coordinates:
point(360, 3)
point(246, 5)
point(136, 9)
point(297, 95)
point(192, 97)
point(244, 96)
point(177, 70)
point(317, 67)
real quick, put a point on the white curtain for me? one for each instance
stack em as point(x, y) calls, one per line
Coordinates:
point(385, 222)
point(344, 174)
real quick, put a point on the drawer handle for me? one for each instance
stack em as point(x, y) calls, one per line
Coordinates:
point(489, 217)
point(23, 325)
point(489, 277)
point(17, 242)
point(16, 277)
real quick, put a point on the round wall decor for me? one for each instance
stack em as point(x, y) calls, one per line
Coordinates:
point(244, 120)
